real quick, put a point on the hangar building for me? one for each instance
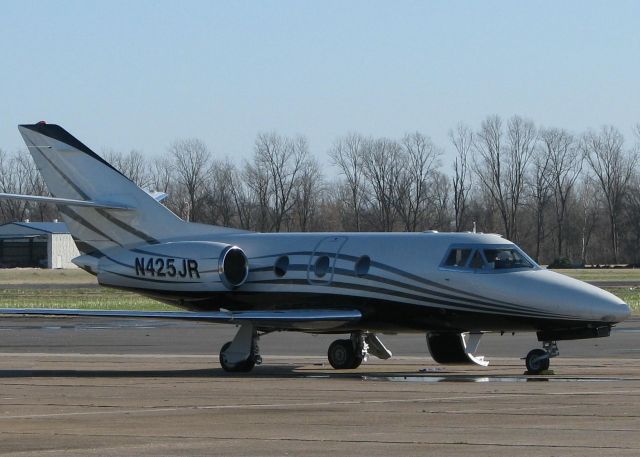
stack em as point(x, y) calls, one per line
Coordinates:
point(36, 244)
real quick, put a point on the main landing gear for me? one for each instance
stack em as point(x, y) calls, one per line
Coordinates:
point(349, 354)
point(538, 360)
point(243, 353)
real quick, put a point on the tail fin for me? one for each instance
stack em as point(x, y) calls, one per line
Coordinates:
point(118, 212)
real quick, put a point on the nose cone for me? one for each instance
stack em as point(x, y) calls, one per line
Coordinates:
point(585, 299)
point(553, 294)
point(613, 312)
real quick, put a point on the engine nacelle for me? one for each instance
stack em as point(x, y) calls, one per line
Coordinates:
point(180, 265)
point(450, 348)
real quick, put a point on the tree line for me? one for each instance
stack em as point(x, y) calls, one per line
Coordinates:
point(558, 194)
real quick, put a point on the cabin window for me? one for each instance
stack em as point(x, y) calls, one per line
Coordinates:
point(321, 266)
point(281, 266)
point(362, 265)
point(506, 258)
point(457, 258)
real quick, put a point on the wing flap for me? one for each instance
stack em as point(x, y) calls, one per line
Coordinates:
point(295, 319)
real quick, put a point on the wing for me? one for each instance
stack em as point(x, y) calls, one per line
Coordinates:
point(294, 319)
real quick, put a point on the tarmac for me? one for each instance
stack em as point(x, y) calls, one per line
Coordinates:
point(73, 386)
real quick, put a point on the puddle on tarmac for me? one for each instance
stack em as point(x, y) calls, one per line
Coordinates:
point(458, 378)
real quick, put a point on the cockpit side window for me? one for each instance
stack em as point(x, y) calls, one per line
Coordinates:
point(477, 262)
point(457, 258)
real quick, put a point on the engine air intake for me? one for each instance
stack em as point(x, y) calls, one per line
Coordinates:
point(233, 267)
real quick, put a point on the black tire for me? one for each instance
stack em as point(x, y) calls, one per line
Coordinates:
point(357, 360)
point(241, 367)
point(246, 366)
point(223, 364)
point(537, 361)
point(342, 356)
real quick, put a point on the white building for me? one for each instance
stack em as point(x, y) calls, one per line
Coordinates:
point(36, 244)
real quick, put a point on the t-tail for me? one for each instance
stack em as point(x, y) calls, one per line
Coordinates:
point(102, 208)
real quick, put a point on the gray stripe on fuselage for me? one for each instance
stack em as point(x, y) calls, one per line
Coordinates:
point(396, 271)
point(466, 306)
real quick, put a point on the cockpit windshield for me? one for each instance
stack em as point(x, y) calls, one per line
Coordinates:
point(486, 258)
point(505, 258)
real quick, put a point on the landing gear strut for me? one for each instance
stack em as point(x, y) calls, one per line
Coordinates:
point(243, 353)
point(538, 360)
point(349, 354)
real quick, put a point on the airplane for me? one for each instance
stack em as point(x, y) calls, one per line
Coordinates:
point(454, 287)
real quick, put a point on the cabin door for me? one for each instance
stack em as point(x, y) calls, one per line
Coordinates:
point(322, 262)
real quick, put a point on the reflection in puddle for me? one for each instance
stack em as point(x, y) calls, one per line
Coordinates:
point(456, 378)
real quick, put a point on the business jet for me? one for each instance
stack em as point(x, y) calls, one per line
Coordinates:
point(454, 287)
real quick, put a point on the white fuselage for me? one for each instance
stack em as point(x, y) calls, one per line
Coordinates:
point(397, 280)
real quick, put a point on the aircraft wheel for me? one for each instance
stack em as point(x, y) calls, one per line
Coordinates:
point(537, 361)
point(357, 361)
point(240, 367)
point(342, 355)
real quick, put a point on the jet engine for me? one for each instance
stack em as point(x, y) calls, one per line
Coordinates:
point(450, 348)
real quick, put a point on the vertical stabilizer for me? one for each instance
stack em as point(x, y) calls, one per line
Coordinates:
point(72, 171)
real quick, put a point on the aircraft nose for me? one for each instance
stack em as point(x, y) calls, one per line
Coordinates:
point(612, 311)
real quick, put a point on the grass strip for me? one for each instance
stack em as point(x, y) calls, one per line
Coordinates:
point(630, 295)
point(602, 274)
point(101, 298)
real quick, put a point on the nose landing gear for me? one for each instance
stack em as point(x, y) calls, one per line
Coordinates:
point(538, 360)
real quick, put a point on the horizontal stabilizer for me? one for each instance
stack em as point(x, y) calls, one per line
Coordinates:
point(64, 201)
point(157, 196)
point(300, 319)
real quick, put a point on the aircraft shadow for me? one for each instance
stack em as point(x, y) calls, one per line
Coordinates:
point(266, 372)
point(273, 371)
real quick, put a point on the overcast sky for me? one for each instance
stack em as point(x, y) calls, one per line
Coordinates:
point(140, 74)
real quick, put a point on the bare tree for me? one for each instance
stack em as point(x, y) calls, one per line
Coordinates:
point(258, 180)
point(347, 154)
point(31, 183)
point(308, 193)
point(439, 218)
point(219, 198)
point(418, 161)
point(632, 206)
point(462, 140)
point(242, 198)
point(501, 165)
point(381, 168)
point(565, 165)
point(192, 160)
point(12, 182)
point(521, 144)
point(282, 160)
point(613, 169)
point(133, 165)
point(632, 213)
point(590, 211)
point(541, 193)
point(162, 174)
